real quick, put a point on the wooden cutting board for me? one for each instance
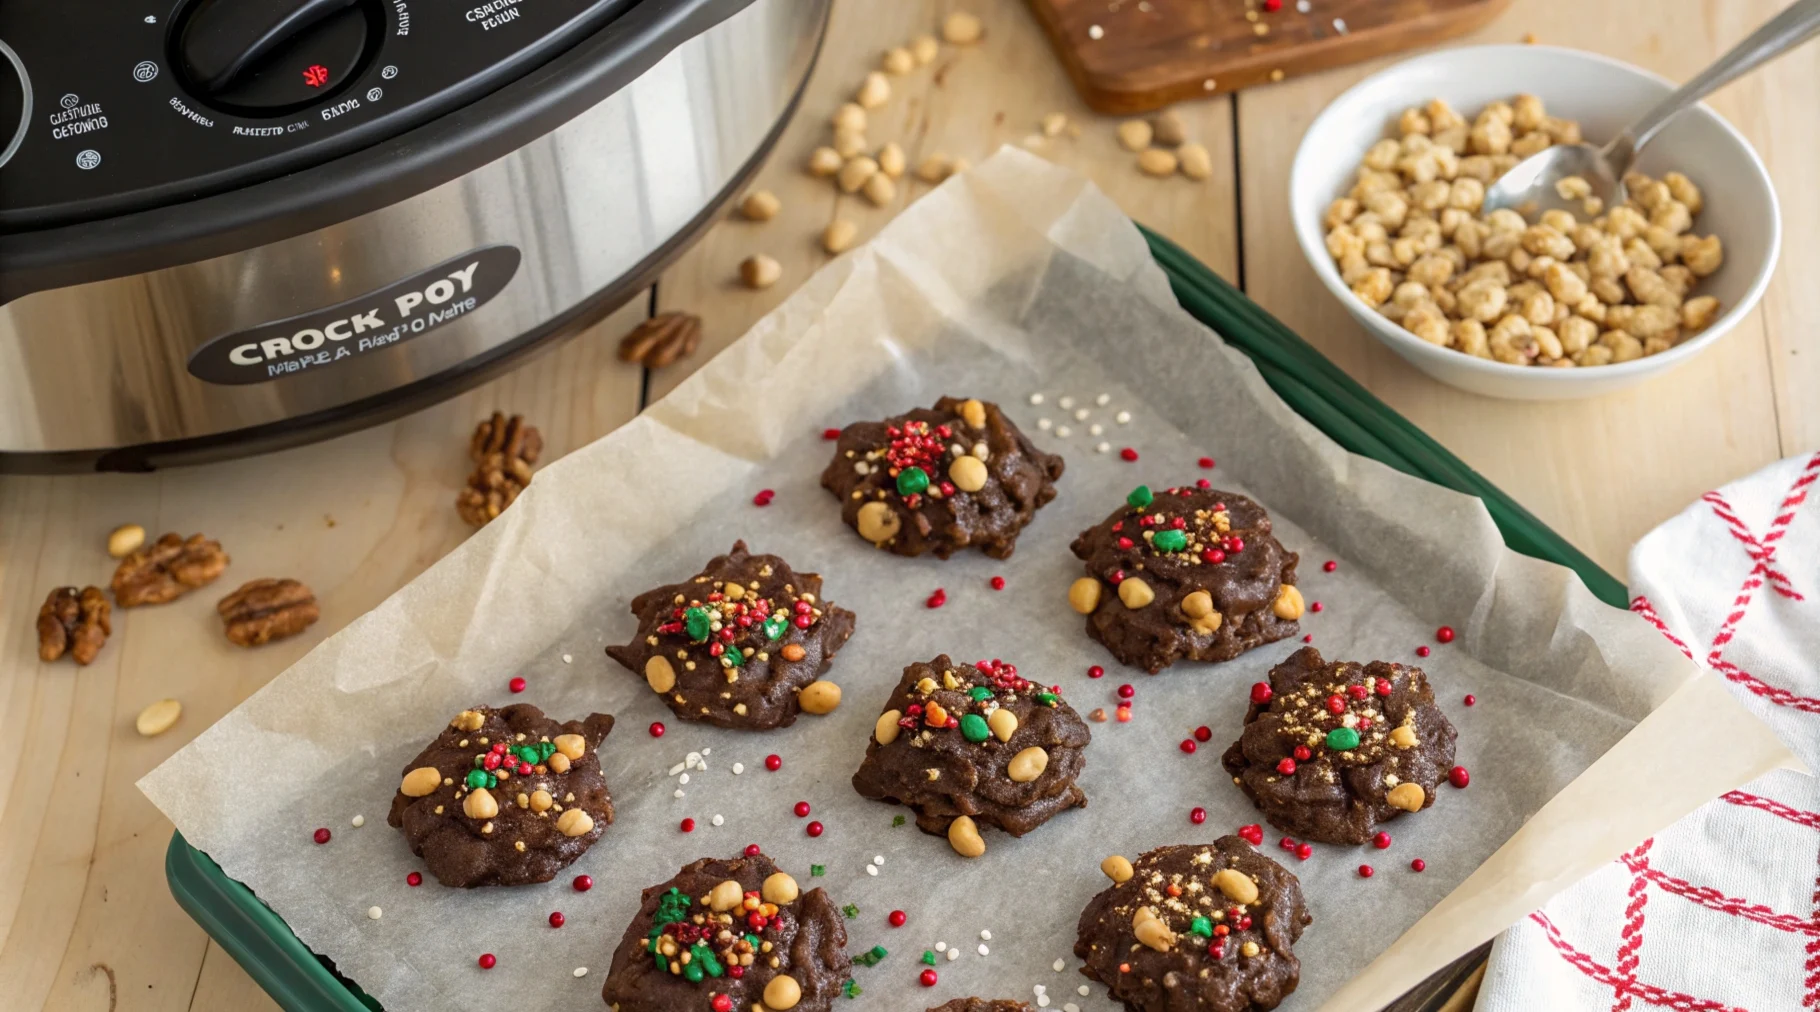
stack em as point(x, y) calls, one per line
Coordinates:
point(1131, 56)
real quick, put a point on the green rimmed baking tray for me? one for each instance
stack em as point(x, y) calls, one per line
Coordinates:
point(301, 981)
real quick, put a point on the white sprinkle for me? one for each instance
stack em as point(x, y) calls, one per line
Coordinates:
point(954, 954)
point(1339, 25)
point(1123, 418)
point(568, 658)
point(1062, 431)
point(872, 870)
point(739, 768)
point(1042, 1001)
point(707, 751)
point(1104, 447)
point(359, 821)
point(1036, 398)
point(1039, 989)
point(1065, 403)
point(1083, 991)
point(1095, 429)
point(718, 820)
point(1080, 414)
point(878, 859)
point(374, 913)
point(1060, 965)
point(678, 793)
point(1095, 32)
point(678, 768)
point(1044, 424)
point(692, 758)
point(1303, 6)
point(1208, 85)
point(984, 951)
point(581, 971)
point(683, 779)
point(986, 936)
point(1103, 400)
point(941, 946)
point(1070, 1007)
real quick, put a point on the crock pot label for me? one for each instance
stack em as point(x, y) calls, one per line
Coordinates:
point(372, 322)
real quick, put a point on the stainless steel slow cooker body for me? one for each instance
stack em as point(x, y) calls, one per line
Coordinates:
point(178, 363)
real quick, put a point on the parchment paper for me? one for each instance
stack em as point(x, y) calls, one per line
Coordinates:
point(1017, 278)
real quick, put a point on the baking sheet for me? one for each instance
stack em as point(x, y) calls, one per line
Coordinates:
point(1018, 278)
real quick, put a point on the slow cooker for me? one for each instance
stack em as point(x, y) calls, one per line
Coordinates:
point(229, 226)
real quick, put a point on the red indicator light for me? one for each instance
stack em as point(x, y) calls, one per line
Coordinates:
point(315, 75)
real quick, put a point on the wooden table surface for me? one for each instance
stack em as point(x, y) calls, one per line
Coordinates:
point(86, 921)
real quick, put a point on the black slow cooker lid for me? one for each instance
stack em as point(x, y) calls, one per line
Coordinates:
point(150, 139)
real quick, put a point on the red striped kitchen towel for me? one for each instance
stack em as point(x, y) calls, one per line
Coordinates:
point(1721, 911)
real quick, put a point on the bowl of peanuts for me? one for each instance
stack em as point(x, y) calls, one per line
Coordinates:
point(1385, 196)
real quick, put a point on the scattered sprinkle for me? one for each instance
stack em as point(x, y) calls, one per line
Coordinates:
point(1445, 634)
point(871, 956)
point(582, 883)
point(954, 954)
point(1123, 418)
point(1104, 447)
point(764, 497)
point(1422, 651)
point(1303, 6)
point(1103, 400)
point(414, 879)
point(1128, 454)
point(739, 768)
point(688, 825)
point(1206, 463)
point(570, 659)
point(984, 951)
point(321, 835)
point(986, 936)
point(1095, 32)
point(1329, 566)
point(937, 599)
point(1059, 966)
point(361, 820)
point(1063, 431)
point(516, 685)
point(830, 434)
point(774, 762)
point(872, 870)
point(996, 583)
point(581, 971)
point(879, 859)
point(1080, 414)
point(718, 820)
point(557, 920)
point(1418, 865)
point(851, 911)
point(1470, 699)
point(941, 946)
point(817, 870)
point(657, 731)
point(374, 913)
point(897, 820)
point(1036, 398)
point(1339, 25)
point(1044, 424)
point(896, 919)
point(487, 961)
point(683, 779)
point(928, 957)
point(1095, 429)
point(1366, 871)
point(1065, 403)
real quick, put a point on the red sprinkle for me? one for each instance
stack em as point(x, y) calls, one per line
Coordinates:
point(1261, 693)
point(1303, 753)
point(413, 879)
point(488, 961)
point(1336, 705)
point(322, 835)
point(1357, 691)
point(1444, 634)
point(1126, 691)
point(688, 825)
point(1382, 687)
point(1329, 566)
point(1188, 745)
point(997, 583)
point(557, 920)
point(764, 497)
point(516, 685)
point(1303, 852)
point(1381, 841)
point(752, 850)
point(814, 829)
point(802, 809)
point(1124, 713)
point(1203, 733)
point(1202, 483)
point(724, 1002)
point(1418, 865)
point(1366, 871)
point(1252, 834)
point(657, 729)
point(928, 977)
point(1315, 606)
point(1213, 556)
point(1096, 672)
point(1197, 815)
point(1458, 776)
point(1272, 6)
point(1470, 699)
point(1422, 651)
point(774, 762)
point(830, 434)
point(1206, 463)
point(1127, 454)
point(937, 599)
point(897, 918)
point(1286, 766)
point(1287, 844)
point(583, 883)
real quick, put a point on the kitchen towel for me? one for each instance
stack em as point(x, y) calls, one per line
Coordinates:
point(1721, 911)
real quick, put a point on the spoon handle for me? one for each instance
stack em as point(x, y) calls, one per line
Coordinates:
point(1795, 25)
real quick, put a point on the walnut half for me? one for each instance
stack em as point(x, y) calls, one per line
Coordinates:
point(267, 610)
point(167, 569)
point(73, 622)
point(503, 450)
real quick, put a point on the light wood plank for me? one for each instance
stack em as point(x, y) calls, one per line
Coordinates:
point(1602, 472)
point(83, 903)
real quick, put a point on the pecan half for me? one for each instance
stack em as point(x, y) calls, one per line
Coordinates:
point(167, 569)
point(73, 622)
point(267, 610)
point(662, 339)
point(503, 450)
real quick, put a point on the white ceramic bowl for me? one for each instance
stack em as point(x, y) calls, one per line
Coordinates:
point(1604, 95)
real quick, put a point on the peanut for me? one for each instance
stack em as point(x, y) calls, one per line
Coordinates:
point(1288, 605)
point(1117, 868)
point(838, 237)
point(962, 28)
point(854, 174)
point(726, 895)
point(760, 271)
point(1403, 736)
point(880, 189)
point(1084, 595)
point(877, 522)
point(1157, 162)
point(124, 540)
point(1154, 933)
point(1197, 164)
point(660, 674)
point(824, 162)
point(819, 697)
point(479, 804)
point(1407, 796)
point(1003, 724)
point(1134, 135)
point(157, 718)
point(898, 60)
point(779, 888)
point(964, 837)
point(574, 822)
point(886, 729)
point(760, 205)
point(557, 762)
point(874, 91)
point(1027, 765)
point(1236, 885)
point(891, 160)
point(573, 746)
point(1135, 593)
point(968, 473)
point(783, 992)
point(420, 782)
point(541, 800)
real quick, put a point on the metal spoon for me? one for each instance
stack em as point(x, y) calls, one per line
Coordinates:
point(1529, 187)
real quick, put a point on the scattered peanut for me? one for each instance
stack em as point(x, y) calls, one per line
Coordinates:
point(968, 473)
point(660, 674)
point(124, 540)
point(468, 720)
point(973, 412)
point(157, 718)
point(880, 189)
point(1403, 736)
point(779, 888)
point(964, 837)
point(1288, 605)
point(854, 174)
point(925, 49)
point(1197, 164)
point(819, 697)
point(1134, 593)
point(760, 205)
point(891, 160)
point(1152, 932)
point(878, 522)
point(479, 804)
point(420, 782)
point(783, 992)
point(1168, 129)
point(1003, 724)
point(850, 116)
point(1027, 765)
point(1084, 595)
point(1135, 135)
point(962, 28)
point(1407, 796)
point(726, 895)
point(849, 143)
point(824, 162)
point(558, 762)
point(574, 822)
point(1157, 162)
point(1053, 124)
point(874, 91)
point(1236, 885)
point(885, 730)
point(541, 799)
point(898, 60)
point(760, 271)
point(934, 168)
point(1117, 868)
point(574, 746)
point(838, 237)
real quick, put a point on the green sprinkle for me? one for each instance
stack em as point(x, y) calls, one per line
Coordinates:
point(1140, 497)
point(1047, 698)
point(980, 693)
point(851, 989)
point(974, 729)
point(775, 627)
point(871, 956)
point(817, 871)
point(1169, 541)
point(850, 910)
point(928, 957)
point(1201, 926)
point(479, 761)
point(1340, 739)
point(897, 821)
point(545, 749)
point(478, 778)
point(912, 480)
point(698, 623)
point(732, 657)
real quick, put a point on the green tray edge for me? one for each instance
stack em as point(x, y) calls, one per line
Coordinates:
point(301, 981)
